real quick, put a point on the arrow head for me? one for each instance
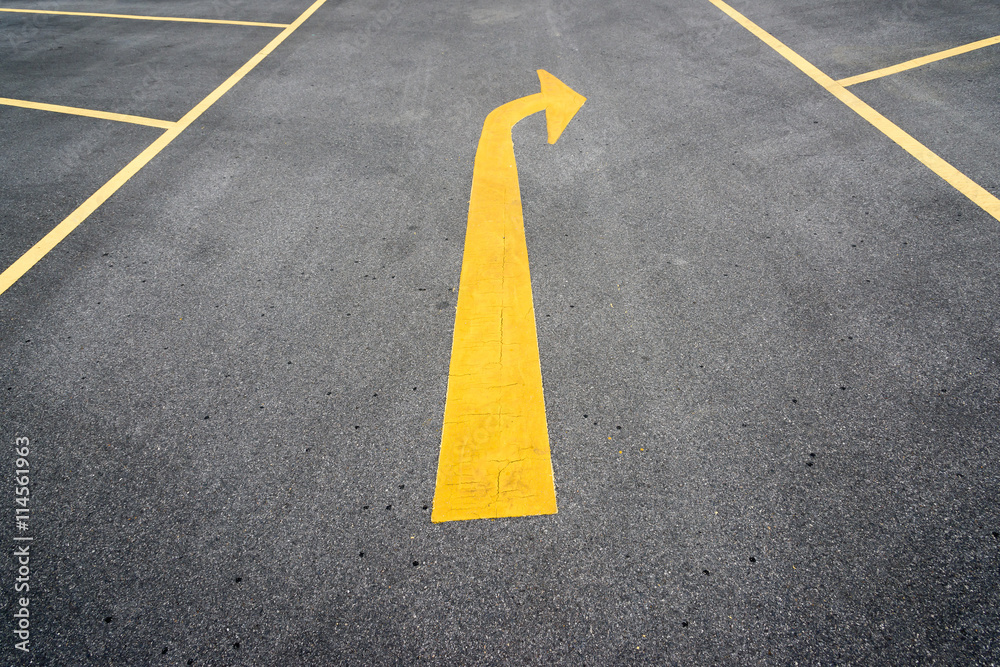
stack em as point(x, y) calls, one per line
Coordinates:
point(562, 103)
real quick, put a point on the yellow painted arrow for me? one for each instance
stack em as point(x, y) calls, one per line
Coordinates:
point(495, 459)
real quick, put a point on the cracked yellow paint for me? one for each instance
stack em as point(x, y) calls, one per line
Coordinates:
point(495, 459)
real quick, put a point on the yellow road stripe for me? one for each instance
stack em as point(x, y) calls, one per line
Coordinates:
point(73, 220)
point(953, 176)
point(917, 62)
point(146, 18)
point(495, 459)
point(91, 113)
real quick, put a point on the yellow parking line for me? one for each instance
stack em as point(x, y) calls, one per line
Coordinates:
point(91, 113)
point(146, 18)
point(73, 220)
point(954, 177)
point(917, 62)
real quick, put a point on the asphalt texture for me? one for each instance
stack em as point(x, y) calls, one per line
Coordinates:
point(769, 337)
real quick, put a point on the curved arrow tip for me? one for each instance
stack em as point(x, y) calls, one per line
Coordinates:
point(562, 104)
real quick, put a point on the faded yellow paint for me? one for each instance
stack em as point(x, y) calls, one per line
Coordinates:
point(90, 113)
point(495, 459)
point(137, 17)
point(919, 62)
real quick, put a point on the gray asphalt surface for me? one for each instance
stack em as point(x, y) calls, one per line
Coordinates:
point(769, 337)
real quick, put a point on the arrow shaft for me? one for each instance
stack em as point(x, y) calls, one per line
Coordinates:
point(495, 458)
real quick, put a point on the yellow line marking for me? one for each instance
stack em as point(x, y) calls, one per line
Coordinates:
point(147, 18)
point(917, 62)
point(953, 176)
point(73, 220)
point(495, 459)
point(91, 113)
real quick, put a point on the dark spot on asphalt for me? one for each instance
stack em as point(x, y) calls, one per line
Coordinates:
point(416, 563)
point(795, 400)
point(206, 416)
point(618, 427)
point(191, 661)
point(706, 572)
point(414, 389)
point(402, 486)
point(684, 624)
point(843, 389)
point(812, 454)
point(366, 507)
point(752, 559)
point(238, 579)
point(388, 507)
point(572, 306)
point(585, 416)
point(361, 554)
point(236, 645)
point(164, 651)
point(108, 619)
point(374, 395)
point(996, 535)
point(809, 463)
point(329, 393)
point(425, 507)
